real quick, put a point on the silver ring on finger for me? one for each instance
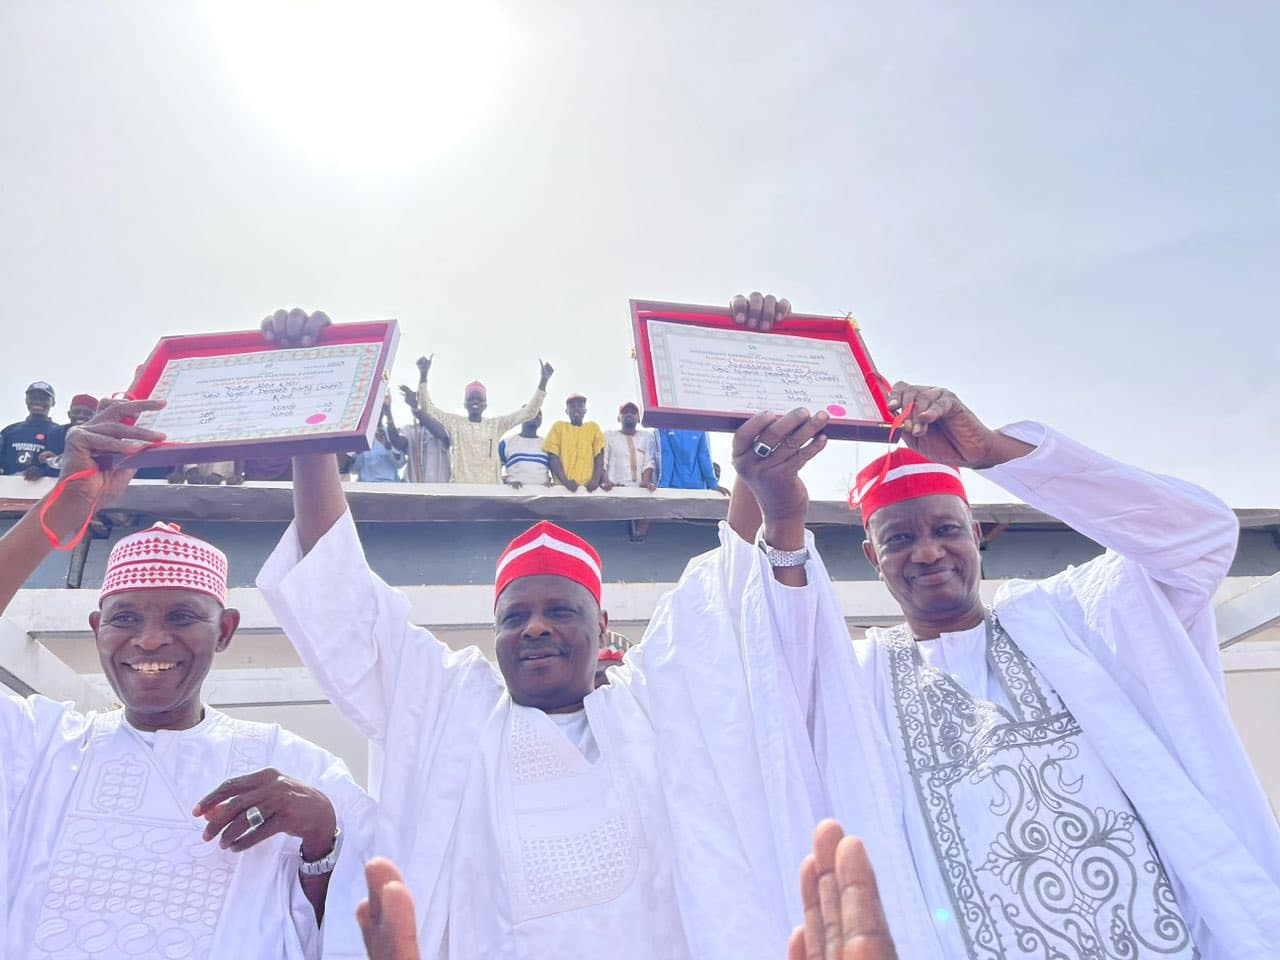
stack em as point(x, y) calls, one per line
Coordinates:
point(255, 818)
point(762, 449)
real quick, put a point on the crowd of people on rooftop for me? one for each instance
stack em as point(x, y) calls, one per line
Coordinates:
point(435, 446)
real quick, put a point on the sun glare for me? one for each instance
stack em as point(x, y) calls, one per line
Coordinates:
point(374, 83)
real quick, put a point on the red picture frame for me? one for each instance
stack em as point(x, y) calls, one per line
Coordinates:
point(383, 332)
point(840, 329)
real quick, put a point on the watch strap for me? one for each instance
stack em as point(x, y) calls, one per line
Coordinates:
point(784, 558)
point(325, 864)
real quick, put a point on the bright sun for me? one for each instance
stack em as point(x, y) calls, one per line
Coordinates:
point(365, 83)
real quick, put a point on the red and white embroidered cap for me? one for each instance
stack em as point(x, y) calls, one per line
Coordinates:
point(547, 549)
point(905, 476)
point(164, 558)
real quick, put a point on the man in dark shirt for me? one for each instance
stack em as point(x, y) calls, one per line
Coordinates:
point(28, 446)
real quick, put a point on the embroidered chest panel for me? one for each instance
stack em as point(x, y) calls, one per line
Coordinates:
point(573, 842)
point(131, 874)
point(1041, 852)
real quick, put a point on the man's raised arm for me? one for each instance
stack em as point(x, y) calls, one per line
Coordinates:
point(105, 434)
point(768, 452)
point(433, 425)
point(530, 410)
point(353, 631)
point(428, 413)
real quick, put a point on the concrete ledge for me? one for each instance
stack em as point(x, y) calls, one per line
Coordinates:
point(147, 500)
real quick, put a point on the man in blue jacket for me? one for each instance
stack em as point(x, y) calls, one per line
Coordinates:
point(686, 460)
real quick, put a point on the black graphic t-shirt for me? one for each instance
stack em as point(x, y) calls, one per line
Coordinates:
point(22, 443)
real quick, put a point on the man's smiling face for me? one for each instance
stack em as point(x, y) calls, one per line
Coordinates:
point(475, 402)
point(926, 552)
point(39, 403)
point(156, 647)
point(549, 630)
point(79, 414)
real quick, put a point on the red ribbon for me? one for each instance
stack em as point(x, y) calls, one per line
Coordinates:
point(61, 488)
point(53, 498)
point(894, 427)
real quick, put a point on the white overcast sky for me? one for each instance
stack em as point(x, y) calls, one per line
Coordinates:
point(1063, 211)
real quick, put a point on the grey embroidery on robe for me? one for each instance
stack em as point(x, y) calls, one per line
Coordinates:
point(1043, 872)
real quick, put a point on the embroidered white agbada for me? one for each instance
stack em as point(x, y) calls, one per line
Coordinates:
point(105, 860)
point(682, 839)
point(1069, 782)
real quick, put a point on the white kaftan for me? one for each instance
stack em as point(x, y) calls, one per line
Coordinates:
point(1073, 786)
point(682, 839)
point(105, 860)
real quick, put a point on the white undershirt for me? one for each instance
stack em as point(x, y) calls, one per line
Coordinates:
point(578, 732)
point(963, 655)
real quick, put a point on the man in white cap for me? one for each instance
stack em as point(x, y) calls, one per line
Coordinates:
point(661, 815)
point(164, 828)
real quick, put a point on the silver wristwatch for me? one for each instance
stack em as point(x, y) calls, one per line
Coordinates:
point(326, 863)
point(784, 558)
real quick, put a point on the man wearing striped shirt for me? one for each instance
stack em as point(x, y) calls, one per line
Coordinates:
point(523, 459)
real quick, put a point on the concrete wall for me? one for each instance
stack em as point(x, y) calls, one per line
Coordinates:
point(464, 553)
point(44, 638)
point(1253, 696)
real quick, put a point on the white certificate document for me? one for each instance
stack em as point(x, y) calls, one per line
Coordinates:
point(265, 395)
point(738, 371)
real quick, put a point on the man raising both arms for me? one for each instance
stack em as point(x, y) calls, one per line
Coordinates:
point(533, 816)
point(1062, 761)
point(473, 439)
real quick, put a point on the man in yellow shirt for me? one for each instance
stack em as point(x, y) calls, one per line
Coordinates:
point(575, 450)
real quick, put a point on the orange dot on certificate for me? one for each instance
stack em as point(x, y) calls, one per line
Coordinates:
point(836, 410)
point(316, 418)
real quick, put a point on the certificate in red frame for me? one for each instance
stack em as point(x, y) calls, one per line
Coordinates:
point(707, 378)
point(342, 422)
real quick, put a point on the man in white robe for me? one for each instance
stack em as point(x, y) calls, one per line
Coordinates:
point(663, 815)
point(1062, 764)
point(166, 828)
point(843, 914)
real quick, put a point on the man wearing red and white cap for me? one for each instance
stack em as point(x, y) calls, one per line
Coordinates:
point(82, 407)
point(165, 828)
point(664, 814)
point(473, 439)
point(1060, 762)
point(611, 654)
